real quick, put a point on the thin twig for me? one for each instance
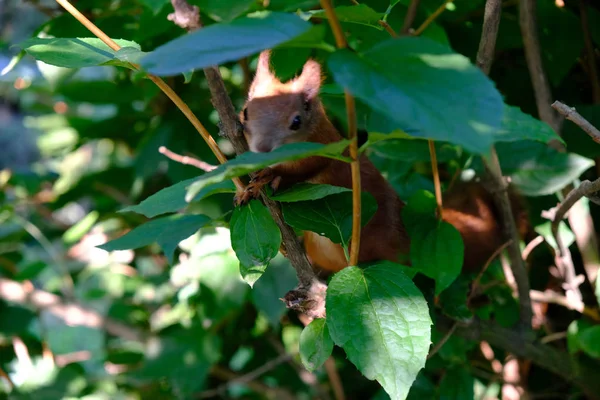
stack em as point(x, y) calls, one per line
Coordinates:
point(259, 387)
point(71, 312)
point(334, 379)
point(409, 19)
point(186, 160)
point(589, 48)
point(475, 287)
point(553, 337)
point(555, 298)
point(442, 341)
point(432, 17)
point(485, 58)
point(246, 378)
point(309, 297)
point(572, 115)
point(531, 246)
point(166, 89)
point(341, 42)
point(387, 28)
point(436, 177)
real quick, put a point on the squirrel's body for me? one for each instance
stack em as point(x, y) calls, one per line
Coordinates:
point(277, 113)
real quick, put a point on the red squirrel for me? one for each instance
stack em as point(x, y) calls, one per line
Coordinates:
point(278, 113)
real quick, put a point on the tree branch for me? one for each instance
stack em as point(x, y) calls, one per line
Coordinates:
point(309, 297)
point(409, 19)
point(70, 312)
point(485, 58)
point(531, 43)
point(185, 160)
point(572, 115)
point(581, 374)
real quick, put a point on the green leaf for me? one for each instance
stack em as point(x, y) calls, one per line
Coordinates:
point(277, 280)
point(330, 216)
point(437, 253)
point(166, 231)
point(376, 314)
point(255, 238)
point(589, 341)
point(315, 344)
point(249, 161)
point(172, 198)
point(517, 125)
point(597, 291)
point(457, 384)
point(537, 169)
point(419, 209)
point(453, 300)
point(73, 52)
point(308, 191)
point(224, 42)
point(465, 108)
point(356, 14)
point(411, 150)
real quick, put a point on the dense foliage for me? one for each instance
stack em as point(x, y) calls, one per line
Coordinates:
point(129, 275)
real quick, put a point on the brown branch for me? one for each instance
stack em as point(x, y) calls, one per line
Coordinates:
point(186, 160)
point(71, 312)
point(485, 58)
point(309, 297)
point(572, 115)
point(341, 43)
point(583, 375)
point(432, 17)
point(555, 298)
point(531, 43)
point(589, 48)
point(387, 28)
point(246, 378)
point(232, 378)
point(409, 19)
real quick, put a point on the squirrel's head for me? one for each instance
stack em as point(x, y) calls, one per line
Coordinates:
point(277, 113)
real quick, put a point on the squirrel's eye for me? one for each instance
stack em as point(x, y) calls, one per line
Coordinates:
point(295, 123)
point(245, 114)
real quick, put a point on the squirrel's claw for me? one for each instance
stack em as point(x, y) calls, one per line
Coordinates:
point(252, 191)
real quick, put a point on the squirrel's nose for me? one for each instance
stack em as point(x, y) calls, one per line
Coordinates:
point(263, 147)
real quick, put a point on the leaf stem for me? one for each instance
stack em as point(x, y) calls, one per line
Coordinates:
point(341, 43)
point(166, 89)
point(432, 17)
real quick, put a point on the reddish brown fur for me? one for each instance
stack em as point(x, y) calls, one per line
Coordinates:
point(270, 109)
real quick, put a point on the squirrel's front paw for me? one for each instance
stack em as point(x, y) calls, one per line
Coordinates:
point(252, 191)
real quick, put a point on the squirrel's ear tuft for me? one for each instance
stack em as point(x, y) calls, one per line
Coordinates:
point(309, 82)
point(263, 77)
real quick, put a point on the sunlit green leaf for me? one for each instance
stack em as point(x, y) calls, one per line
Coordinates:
point(330, 216)
point(73, 52)
point(537, 169)
point(308, 191)
point(438, 252)
point(172, 198)
point(255, 238)
point(166, 231)
point(465, 108)
point(357, 14)
point(224, 42)
point(375, 315)
point(516, 125)
point(249, 162)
